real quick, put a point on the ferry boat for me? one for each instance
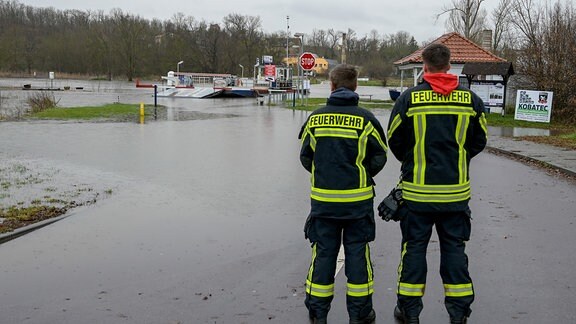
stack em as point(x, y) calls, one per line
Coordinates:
point(216, 85)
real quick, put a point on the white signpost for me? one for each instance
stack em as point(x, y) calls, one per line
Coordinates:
point(533, 106)
point(51, 77)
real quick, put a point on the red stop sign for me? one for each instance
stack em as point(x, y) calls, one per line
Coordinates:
point(307, 61)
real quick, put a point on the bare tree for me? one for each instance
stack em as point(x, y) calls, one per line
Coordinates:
point(334, 38)
point(245, 36)
point(210, 42)
point(546, 54)
point(501, 24)
point(319, 42)
point(527, 18)
point(275, 45)
point(102, 36)
point(465, 17)
point(130, 35)
point(176, 36)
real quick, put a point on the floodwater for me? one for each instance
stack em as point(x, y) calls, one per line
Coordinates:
point(204, 225)
point(190, 199)
point(517, 131)
point(86, 93)
point(82, 92)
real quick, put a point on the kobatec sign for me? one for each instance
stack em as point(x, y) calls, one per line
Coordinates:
point(533, 106)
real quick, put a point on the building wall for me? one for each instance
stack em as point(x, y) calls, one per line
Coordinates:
point(320, 67)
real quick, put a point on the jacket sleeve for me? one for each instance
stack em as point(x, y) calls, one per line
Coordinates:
point(376, 149)
point(397, 128)
point(478, 136)
point(306, 151)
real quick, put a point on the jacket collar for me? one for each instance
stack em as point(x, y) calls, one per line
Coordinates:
point(343, 97)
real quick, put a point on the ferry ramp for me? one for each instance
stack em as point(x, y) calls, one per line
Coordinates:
point(202, 92)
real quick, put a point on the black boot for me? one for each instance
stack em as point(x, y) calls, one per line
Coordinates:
point(369, 319)
point(460, 320)
point(399, 315)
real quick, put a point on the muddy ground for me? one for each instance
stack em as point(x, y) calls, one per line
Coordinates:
point(32, 191)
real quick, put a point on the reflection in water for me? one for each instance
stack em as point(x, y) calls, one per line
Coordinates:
point(179, 114)
point(517, 131)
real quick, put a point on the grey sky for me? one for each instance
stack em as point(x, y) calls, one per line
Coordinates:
point(417, 17)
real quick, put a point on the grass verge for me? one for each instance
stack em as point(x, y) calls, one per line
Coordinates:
point(315, 103)
point(115, 111)
point(16, 217)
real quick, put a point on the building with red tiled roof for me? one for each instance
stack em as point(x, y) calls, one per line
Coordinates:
point(462, 51)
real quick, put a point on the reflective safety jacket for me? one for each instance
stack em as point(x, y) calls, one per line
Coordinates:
point(435, 136)
point(343, 147)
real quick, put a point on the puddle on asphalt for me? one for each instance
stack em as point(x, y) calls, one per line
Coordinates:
point(518, 131)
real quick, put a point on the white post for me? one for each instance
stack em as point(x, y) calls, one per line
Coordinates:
point(287, 39)
point(300, 70)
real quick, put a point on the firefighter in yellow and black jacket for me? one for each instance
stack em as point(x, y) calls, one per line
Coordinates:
point(435, 129)
point(343, 147)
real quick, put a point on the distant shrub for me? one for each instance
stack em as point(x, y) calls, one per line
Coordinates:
point(41, 100)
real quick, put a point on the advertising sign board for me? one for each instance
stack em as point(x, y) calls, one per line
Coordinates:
point(270, 72)
point(533, 106)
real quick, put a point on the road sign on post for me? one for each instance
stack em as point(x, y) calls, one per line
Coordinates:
point(307, 61)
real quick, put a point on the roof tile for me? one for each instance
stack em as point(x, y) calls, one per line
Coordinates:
point(462, 50)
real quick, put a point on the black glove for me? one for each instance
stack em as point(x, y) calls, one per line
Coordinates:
point(388, 208)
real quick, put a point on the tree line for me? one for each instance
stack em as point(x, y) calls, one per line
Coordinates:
point(119, 44)
point(539, 39)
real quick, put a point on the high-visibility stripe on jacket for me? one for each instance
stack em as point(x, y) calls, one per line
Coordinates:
point(345, 140)
point(343, 147)
point(435, 136)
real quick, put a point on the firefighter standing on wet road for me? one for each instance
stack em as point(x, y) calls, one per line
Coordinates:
point(343, 146)
point(435, 129)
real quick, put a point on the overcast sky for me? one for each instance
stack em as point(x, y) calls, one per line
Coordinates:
point(417, 17)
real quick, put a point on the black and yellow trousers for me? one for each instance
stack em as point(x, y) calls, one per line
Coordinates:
point(453, 231)
point(326, 236)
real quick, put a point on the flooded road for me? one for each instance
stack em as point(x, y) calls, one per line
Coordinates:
point(205, 226)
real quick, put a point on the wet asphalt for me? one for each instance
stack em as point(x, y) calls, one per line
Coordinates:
point(205, 226)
